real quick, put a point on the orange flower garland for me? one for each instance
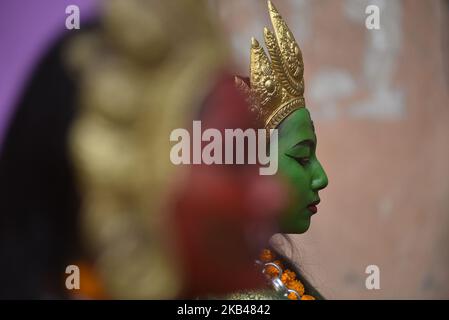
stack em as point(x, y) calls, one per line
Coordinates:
point(288, 277)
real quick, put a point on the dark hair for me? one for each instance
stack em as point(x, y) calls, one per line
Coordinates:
point(39, 201)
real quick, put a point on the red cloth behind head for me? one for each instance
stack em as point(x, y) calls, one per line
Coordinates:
point(224, 214)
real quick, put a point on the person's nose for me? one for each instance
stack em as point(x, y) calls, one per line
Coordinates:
point(319, 180)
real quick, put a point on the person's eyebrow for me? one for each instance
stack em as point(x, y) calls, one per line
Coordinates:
point(305, 143)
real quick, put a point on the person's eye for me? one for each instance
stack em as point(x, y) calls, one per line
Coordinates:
point(303, 161)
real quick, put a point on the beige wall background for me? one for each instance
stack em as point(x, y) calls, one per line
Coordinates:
point(380, 104)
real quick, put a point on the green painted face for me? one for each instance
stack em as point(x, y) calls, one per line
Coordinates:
point(300, 169)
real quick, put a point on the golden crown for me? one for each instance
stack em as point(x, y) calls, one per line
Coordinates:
point(277, 86)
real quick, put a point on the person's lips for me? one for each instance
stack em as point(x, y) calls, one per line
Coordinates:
point(313, 206)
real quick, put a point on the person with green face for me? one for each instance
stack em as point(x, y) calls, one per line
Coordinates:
point(301, 170)
point(276, 96)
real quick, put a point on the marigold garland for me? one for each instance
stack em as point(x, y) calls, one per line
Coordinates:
point(288, 277)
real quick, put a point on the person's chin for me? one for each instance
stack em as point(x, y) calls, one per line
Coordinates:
point(300, 226)
point(304, 225)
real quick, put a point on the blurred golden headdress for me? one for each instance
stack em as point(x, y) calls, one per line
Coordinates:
point(143, 73)
point(277, 86)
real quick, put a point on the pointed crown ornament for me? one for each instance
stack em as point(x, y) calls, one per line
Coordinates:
point(277, 86)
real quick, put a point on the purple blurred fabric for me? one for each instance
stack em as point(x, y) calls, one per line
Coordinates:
point(27, 29)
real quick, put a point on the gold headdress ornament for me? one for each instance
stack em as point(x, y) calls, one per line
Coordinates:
point(277, 86)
